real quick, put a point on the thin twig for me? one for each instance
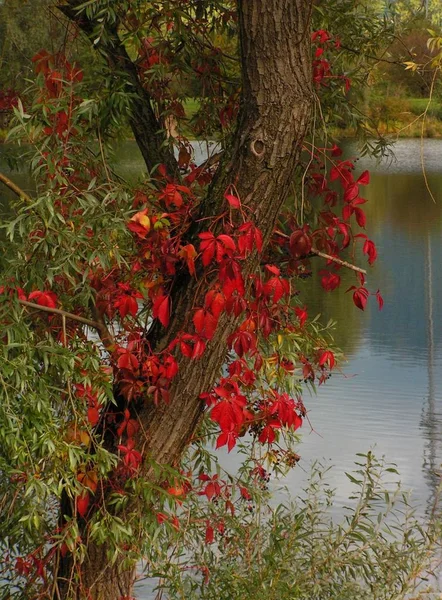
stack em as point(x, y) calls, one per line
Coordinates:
point(334, 259)
point(15, 188)
point(338, 261)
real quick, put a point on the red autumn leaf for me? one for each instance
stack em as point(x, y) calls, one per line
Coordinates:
point(198, 320)
point(186, 349)
point(210, 534)
point(192, 346)
point(369, 248)
point(188, 253)
point(361, 277)
point(207, 247)
point(227, 242)
point(327, 357)
point(360, 296)
point(268, 433)
point(131, 457)
point(198, 348)
point(276, 288)
point(243, 342)
point(83, 504)
point(335, 150)
point(302, 315)
point(212, 490)
point(380, 300)
point(329, 281)
point(127, 360)
point(335, 173)
point(300, 243)
point(217, 247)
point(210, 324)
point(229, 413)
point(140, 224)
point(215, 301)
point(360, 216)
point(161, 309)
point(245, 493)
point(161, 518)
point(177, 491)
point(249, 235)
point(273, 269)
point(127, 304)
point(171, 194)
point(364, 179)
point(345, 230)
point(93, 415)
point(227, 437)
point(48, 299)
point(132, 427)
point(232, 200)
point(347, 211)
point(205, 323)
point(351, 192)
point(170, 366)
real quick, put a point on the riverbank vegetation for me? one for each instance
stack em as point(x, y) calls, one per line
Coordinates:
point(304, 551)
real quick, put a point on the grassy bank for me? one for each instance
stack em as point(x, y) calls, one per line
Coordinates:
point(399, 117)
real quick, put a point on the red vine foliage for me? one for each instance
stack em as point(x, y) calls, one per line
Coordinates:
point(137, 292)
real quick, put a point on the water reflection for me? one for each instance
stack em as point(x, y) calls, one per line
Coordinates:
point(389, 394)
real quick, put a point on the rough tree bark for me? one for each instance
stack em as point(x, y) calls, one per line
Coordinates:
point(276, 103)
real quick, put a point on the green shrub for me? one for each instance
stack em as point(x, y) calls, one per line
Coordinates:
point(379, 550)
point(388, 109)
point(419, 105)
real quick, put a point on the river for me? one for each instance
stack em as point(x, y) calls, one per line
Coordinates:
point(388, 396)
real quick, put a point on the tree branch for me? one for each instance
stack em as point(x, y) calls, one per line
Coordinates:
point(98, 324)
point(61, 312)
point(371, 56)
point(147, 129)
point(15, 188)
point(107, 339)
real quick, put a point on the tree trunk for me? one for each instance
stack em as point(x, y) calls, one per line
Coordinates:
point(274, 116)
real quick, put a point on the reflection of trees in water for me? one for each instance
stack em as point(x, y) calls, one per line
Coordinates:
point(402, 201)
point(430, 422)
point(404, 216)
point(400, 214)
point(336, 305)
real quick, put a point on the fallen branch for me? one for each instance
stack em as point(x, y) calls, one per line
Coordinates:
point(15, 188)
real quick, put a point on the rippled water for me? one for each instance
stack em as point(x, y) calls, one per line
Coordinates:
point(389, 394)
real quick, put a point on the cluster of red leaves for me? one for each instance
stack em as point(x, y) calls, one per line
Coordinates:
point(57, 71)
point(322, 66)
point(335, 231)
point(8, 99)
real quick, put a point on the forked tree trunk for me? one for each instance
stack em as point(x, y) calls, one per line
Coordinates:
point(274, 116)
